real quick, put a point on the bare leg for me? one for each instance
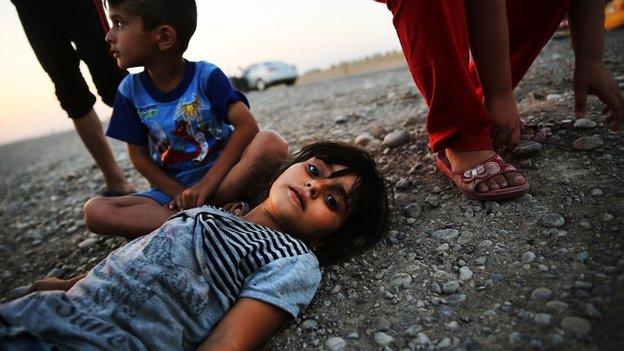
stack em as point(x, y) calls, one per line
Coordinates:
point(90, 131)
point(127, 216)
point(489, 42)
point(257, 162)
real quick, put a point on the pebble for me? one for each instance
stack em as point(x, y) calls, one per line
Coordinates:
point(436, 288)
point(486, 243)
point(465, 273)
point(584, 123)
point(583, 256)
point(363, 139)
point(412, 210)
point(576, 325)
point(432, 200)
point(55, 273)
point(443, 247)
point(340, 119)
point(450, 287)
point(86, 243)
point(587, 143)
point(552, 220)
point(543, 318)
point(397, 138)
point(402, 184)
point(528, 257)
point(591, 311)
point(515, 338)
point(445, 234)
point(453, 325)
point(481, 260)
point(335, 343)
point(553, 98)
point(383, 339)
point(413, 330)
point(557, 306)
point(402, 280)
point(444, 343)
point(526, 149)
point(607, 217)
point(309, 324)
point(596, 193)
point(542, 294)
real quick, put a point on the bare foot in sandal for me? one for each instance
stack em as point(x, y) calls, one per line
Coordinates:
point(463, 160)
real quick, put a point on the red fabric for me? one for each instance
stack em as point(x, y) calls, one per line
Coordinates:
point(434, 38)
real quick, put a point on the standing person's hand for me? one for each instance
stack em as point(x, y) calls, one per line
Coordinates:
point(505, 121)
point(595, 79)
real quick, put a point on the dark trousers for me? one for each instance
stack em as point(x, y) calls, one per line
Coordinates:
point(64, 32)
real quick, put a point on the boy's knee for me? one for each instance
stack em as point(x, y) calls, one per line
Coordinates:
point(272, 145)
point(93, 211)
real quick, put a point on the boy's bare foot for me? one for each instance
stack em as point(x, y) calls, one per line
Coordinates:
point(119, 187)
point(463, 160)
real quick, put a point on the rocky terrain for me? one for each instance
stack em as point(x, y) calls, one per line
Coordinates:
point(545, 271)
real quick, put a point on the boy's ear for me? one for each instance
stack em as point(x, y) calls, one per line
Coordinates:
point(166, 37)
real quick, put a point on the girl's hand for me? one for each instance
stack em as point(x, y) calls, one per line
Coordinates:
point(595, 79)
point(47, 284)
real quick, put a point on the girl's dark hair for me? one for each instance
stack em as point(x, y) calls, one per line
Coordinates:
point(180, 14)
point(367, 216)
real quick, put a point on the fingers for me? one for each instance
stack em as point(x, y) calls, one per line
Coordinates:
point(615, 103)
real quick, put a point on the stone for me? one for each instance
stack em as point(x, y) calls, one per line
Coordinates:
point(528, 257)
point(402, 280)
point(465, 273)
point(542, 294)
point(587, 143)
point(554, 98)
point(591, 311)
point(87, 243)
point(557, 306)
point(363, 140)
point(453, 325)
point(443, 247)
point(341, 119)
point(444, 343)
point(552, 220)
point(335, 343)
point(432, 200)
point(583, 256)
point(596, 193)
point(450, 287)
point(412, 210)
point(308, 324)
point(584, 123)
point(413, 330)
point(397, 138)
point(402, 184)
point(526, 149)
point(543, 318)
point(576, 325)
point(383, 339)
point(445, 234)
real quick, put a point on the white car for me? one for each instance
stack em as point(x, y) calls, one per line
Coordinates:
point(265, 74)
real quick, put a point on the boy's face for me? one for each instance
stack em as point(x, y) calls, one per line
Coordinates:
point(306, 202)
point(131, 45)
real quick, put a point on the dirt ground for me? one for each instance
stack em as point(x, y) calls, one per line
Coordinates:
point(545, 271)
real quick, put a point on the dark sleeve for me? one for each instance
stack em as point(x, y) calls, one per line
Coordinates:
point(222, 94)
point(125, 124)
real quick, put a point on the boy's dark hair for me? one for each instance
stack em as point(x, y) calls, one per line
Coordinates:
point(367, 216)
point(180, 14)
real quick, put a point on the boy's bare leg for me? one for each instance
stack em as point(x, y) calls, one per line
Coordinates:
point(90, 130)
point(489, 42)
point(127, 216)
point(260, 159)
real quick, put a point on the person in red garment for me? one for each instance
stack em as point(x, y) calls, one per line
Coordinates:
point(472, 109)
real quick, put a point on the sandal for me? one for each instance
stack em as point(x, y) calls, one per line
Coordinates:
point(237, 208)
point(468, 180)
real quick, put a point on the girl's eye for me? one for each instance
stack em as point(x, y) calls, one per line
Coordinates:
point(331, 202)
point(314, 171)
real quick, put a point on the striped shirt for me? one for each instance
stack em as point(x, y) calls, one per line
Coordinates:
point(169, 289)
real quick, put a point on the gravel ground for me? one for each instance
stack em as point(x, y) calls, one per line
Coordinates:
point(545, 271)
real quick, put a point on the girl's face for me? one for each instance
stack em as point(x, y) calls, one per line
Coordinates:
point(306, 202)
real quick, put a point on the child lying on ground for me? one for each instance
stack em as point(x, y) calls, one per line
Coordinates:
point(209, 280)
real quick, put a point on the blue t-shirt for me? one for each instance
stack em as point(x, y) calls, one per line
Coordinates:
point(169, 289)
point(183, 127)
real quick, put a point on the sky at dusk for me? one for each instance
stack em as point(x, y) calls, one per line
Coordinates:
point(230, 34)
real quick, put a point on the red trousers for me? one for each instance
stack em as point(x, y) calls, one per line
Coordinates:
point(434, 38)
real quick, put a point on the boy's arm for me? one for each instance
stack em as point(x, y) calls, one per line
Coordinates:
point(140, 157)
point(245, 326)
point(245, 129)
point(590, 74)
point(47, 284)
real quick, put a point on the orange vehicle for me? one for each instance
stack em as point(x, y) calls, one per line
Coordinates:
point(614, 14)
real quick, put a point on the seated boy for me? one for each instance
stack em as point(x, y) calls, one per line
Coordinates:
point(189, 132)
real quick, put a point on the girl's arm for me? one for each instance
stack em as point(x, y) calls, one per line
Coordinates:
point(140, 157)
point(245, 326)
point(590, 74)
point(245, 129)
point(47, 284)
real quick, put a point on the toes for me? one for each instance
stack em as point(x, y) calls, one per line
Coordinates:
point(515, 178)
point(492, 183)
point(482, 187)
